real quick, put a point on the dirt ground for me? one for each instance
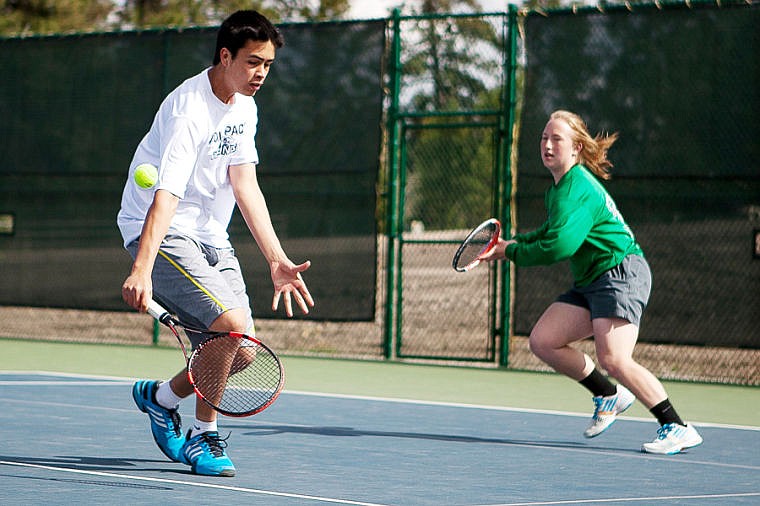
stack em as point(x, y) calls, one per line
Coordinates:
point(363, 340)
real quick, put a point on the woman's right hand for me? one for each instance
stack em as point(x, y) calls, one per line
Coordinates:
point(498, 252)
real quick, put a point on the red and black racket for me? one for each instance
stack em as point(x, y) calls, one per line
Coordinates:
point(477, 244)
point(234, 373)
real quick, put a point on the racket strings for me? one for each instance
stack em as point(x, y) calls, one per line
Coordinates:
point(473, 248)
point(235, 375)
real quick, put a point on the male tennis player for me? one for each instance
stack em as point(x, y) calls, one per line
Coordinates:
point(611, 290)
point(202, 142)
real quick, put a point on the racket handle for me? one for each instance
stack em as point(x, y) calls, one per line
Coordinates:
point(158, 312)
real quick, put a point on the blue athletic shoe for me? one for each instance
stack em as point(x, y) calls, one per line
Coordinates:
point(165, 424)
point(205, 454)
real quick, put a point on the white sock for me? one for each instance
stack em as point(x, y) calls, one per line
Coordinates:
point(166, 397)
point(199, 427)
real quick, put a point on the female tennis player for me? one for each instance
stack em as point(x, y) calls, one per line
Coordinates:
point(202, 142)
point(611, 289)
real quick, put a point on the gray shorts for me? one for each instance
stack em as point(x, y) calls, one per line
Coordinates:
point(621, 292)
point(197, 282)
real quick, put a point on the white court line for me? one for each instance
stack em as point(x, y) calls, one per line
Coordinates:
point(83, 407)
point(115, 380)
point(191, 484)
point(360, 503)
point(50, 383)
point(628, 499)
point(64, 375)
point(505, 408)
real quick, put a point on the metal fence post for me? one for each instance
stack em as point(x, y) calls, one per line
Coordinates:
point(394, 76)
point(505, 197)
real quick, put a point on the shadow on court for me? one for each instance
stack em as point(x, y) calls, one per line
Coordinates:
point(84, 482)
point(97, 464)
point(264, 430)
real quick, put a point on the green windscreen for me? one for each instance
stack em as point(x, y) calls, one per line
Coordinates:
point(71, 122)
point(682, 88)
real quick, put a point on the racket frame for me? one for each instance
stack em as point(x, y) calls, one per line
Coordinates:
point(487, 248)
point(162, 315)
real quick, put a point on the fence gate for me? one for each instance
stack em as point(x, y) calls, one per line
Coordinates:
point(448, 139)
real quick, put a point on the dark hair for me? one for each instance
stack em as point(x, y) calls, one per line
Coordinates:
point(243, 26)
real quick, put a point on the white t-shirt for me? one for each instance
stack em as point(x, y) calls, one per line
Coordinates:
point(193, 140)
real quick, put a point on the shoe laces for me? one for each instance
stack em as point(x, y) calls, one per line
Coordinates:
point(215, 443)
point(598, 401)
point(663, 431)
point(176, 421)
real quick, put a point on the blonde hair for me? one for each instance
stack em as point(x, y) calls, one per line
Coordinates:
point(594, 152)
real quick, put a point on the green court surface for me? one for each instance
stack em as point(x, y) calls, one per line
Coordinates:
point(697, 402)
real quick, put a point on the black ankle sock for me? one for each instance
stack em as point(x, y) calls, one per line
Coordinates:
point(666, 413)
point(598, 384)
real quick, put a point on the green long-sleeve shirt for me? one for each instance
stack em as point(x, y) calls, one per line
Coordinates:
point(583, 225)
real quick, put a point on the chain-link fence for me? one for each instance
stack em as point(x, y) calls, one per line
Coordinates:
point(449, 121)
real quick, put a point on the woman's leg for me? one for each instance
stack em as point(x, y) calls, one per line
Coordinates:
point(560, 325)
point(614, 339)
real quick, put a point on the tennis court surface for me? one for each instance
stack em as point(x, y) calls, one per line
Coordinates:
point(72, 439)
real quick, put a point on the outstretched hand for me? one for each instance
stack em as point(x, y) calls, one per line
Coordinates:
point(289, 283)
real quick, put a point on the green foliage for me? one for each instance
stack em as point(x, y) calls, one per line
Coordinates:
point(160, 13)
point(31, 17)
point(440, 6)
point(305, 10)
point(448, 66)
point(456, 56)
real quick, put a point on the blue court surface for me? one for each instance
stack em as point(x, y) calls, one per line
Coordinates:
point(80, 440)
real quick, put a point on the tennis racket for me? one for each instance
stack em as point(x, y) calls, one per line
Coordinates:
point(235, 374)
point(480, 241)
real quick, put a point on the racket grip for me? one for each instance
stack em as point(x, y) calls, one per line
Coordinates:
point(157, 311)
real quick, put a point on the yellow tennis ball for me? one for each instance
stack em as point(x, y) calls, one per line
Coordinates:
point(146, 175)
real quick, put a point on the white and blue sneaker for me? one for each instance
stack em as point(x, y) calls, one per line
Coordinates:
point(165, 424)
point(205, 454)
point(673, 438)
point(607, 409)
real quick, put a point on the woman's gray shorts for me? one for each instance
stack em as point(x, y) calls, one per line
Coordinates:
point(621, 292)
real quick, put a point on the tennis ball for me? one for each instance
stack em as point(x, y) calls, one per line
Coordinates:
point(146, 175)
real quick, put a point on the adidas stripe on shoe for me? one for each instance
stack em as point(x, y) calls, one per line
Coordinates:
point(165, 424)
point(673, 438)
point(205, 454)
point(606, 410)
